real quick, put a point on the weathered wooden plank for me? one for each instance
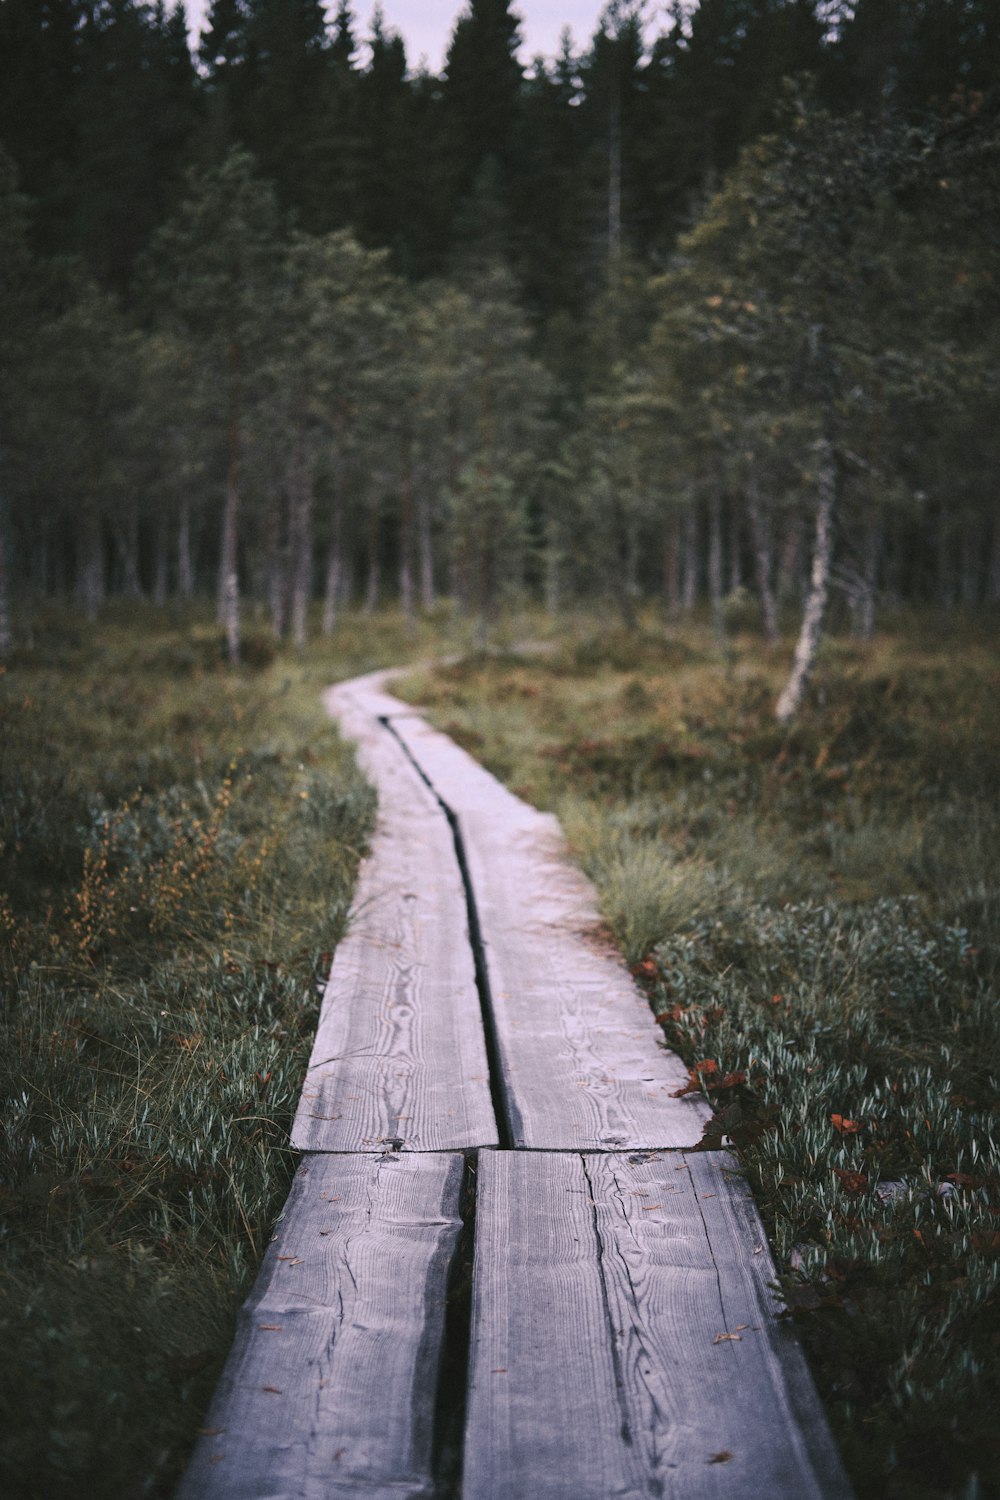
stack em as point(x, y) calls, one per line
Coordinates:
point(329, 1390)
point(582, 1061)
point(399, 1054)
point(624, 1341)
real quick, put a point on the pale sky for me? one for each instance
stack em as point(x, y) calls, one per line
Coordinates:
point(426, 25)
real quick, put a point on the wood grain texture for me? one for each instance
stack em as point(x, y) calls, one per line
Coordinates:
point(399, 1055)
point(624, 1341)
point(583, 1063)
point(329, 1391)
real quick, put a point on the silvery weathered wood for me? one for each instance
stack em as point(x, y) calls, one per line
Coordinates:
point(329, 1391)
point(399, 1055)
point(583, 1063)
point(625, 1342)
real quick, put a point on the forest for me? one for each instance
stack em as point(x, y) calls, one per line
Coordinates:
point(702, 314)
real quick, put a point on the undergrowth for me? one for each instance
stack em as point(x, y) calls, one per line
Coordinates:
point(814, 913)
point(178, 846)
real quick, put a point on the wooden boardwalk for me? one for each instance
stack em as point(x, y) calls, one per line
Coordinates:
point(489, 1104)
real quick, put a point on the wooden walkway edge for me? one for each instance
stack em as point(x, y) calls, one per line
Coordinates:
point(482, 1048)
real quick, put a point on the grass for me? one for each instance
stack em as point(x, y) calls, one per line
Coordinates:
point(814, 913)
point(178, 846)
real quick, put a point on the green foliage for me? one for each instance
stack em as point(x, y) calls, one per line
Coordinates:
point(815, 915)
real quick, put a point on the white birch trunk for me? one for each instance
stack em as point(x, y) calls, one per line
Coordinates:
point(819, 586)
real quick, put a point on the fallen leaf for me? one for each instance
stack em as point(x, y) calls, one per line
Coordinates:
point(274, 1390)
point(851, 1182)
point(719, 1458)
point(270, 1327)
point(728, 1338)
point(844, 1127)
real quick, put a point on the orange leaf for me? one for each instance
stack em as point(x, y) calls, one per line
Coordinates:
point(851, 1182)
point(844, 1127)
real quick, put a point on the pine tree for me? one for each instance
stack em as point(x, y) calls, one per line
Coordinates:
point(213, 272)
point(482, 90)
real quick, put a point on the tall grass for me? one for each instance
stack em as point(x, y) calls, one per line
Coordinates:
point(178, 845)
point(815, 914)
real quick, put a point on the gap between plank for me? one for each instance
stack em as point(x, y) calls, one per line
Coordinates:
point(504, 1108)
point(451, 1396)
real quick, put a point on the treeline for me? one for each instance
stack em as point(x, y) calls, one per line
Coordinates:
point(652, 317)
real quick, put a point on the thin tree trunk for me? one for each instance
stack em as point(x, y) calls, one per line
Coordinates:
point(553, 578)
point(406, 536)
point(945, 571)
point(812, 616)
point(277, 567)
point(374, 567)
point(689, 587)
point(672, 565)
point(630, 570)
point(127, 543)
point(302, 552)
point(185, 567)
point(715, 559)
point(863, 602)
point(993, 573)
point(229, 583)
point(300, 510)
point(161, 562)
point(6, 635)
point(90, 576)
point(333, 577)
point(425, 548)
point(789, 568)
point(971, 548)
point(760, 531)
point(41, 568)
point(735, 548)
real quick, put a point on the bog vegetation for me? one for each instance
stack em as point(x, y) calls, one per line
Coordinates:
point(695, 323)
point(815, 914)
point(178, 846)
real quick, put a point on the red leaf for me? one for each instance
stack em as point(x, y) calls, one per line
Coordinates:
point(851, 1182)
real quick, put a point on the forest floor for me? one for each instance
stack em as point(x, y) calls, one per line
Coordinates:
point(178, 847)
point(813, 911)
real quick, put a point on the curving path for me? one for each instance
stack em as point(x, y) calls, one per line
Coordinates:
point(488, 1094)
